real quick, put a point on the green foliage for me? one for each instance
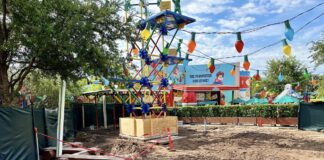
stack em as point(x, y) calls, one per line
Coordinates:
point(42, 85)
point(318, 52)
point(268, 111)
point(70, 38)
point(291, 69)
point(320, 90)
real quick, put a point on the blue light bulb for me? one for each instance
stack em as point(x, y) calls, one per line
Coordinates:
point(289, 33)
point(280, 77)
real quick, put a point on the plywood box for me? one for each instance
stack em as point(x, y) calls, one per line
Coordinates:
point(127, 126)
point(149, 128)
point(143, 127)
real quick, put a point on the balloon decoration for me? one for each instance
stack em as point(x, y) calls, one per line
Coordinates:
point(192, 43)
point(257, 76)
point(134, 49)
point(141, 24)
point(239, 43)
point(233, 71)
point(145, 108)
point(289, 33)
point(306, 74)
point(246, 63)
point(286, 49)
point(145, 34)
point(211, 65)
point(163, 30)
point(280, 77)
point(143, 53)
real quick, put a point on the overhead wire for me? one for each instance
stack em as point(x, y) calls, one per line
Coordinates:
point(256, 28)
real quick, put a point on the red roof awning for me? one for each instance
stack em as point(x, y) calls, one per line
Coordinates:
point(204, 87)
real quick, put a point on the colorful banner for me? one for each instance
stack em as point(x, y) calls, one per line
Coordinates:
point(200, 74)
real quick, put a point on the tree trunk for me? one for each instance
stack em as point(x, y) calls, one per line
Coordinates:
point(5, 94)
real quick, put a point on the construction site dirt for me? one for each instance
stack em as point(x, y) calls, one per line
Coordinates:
point(217, 142)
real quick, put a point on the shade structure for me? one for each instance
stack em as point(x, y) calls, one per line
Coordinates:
point(257, 101)
point(285, 100)
point(238, 101)
point(170, 19)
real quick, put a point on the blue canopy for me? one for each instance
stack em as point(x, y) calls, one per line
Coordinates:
point(171, 60)
point(170, 19)
point(286, 99)
point(257, 101)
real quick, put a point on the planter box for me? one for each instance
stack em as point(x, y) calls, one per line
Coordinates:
point(150, 128)
point(224, 120)
point(271, 121)
point(247, 120)
point(291, 121)
point(197, 119)
point(213, 120)
point(229, 119)
point(185, 119)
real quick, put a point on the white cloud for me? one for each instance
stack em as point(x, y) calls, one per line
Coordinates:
point(204, 6)
point(249, 9)
point(235, 23)
point(284, 5)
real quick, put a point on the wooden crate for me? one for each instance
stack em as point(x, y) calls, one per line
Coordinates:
point(143, 127)
point(150, 128)
point(127, 126)
point(172, 123)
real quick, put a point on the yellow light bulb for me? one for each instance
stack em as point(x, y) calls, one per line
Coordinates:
point(145, 34)
point(287, 50)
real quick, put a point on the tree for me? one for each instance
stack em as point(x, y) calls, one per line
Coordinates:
point(318, 52)
point(70, 38)
point(291, 69)
point(320, 90)
point(43, 85)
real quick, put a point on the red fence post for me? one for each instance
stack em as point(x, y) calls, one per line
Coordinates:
point(170, 140)
point(260, 120)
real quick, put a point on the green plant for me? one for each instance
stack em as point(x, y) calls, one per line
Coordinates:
point(266, 111)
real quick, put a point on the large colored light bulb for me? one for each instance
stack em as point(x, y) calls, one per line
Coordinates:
point(192, 43)
point(166, 49)
point(233, 71)
point(145, 34)
point(280, 77)
point(211, 65)
point(306, 74)
point(134, 49)
point(257, 76)
point(289, 33)
point(286, 49)
point(246, 63)
point(239, 43)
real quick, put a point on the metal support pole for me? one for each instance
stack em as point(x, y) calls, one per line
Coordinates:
point(104, 110)
point(60, 120)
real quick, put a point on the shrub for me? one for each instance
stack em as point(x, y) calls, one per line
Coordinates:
point(267, 111)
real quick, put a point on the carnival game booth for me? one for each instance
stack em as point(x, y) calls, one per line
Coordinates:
point(199, 86)
point(197, 95)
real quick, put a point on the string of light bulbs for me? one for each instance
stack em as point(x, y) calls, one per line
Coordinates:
point(254, 52)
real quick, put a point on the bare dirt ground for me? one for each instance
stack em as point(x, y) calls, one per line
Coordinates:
point(219, 142)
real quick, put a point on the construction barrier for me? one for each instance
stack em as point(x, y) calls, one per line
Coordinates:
point(311, 116)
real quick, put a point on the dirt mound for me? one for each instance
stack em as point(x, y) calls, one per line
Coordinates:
point(127, 147)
